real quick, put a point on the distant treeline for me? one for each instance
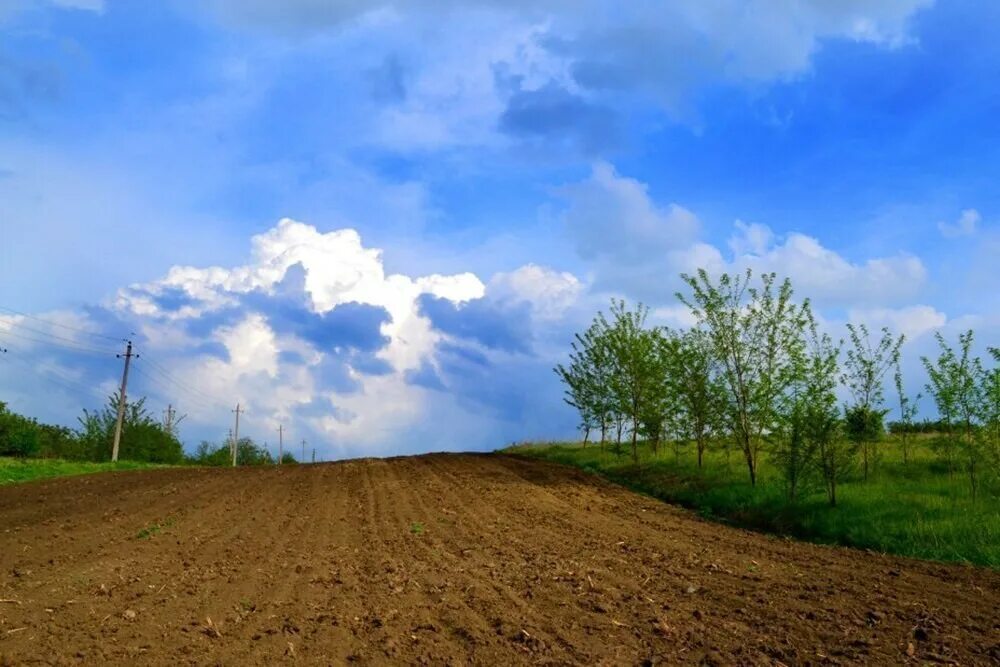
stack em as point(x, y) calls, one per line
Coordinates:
point(938, 426)
point(143, 439)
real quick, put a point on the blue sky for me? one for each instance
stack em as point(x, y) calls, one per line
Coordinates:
point(379, 223)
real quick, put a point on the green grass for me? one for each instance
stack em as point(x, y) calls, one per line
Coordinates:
point(25, 470)
point(154, 529)
point(911, 510)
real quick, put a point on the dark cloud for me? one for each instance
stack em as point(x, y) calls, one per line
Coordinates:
point(208, 323)
point(370, 364)
point(173, 299)
point(350, 325)
point(425, 377)
point(386, 81)
point(498, 387)
point(487, 323)
point(555, 113)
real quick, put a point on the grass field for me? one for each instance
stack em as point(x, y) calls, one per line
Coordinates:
point(24, 470)
point(912, 510)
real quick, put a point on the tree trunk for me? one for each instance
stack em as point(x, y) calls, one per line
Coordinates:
point(864, 456)
point(751, 465)
point(635, 442)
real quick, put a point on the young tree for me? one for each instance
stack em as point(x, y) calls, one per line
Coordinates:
point(637, 374)
point(695, 383)
point(18, 435)
point(955, 384)
point(864, 370)
point(755, 333)
point(588, 377)
point(143, 438)
point(907, 413)
point(989, 392)
point(809, 437)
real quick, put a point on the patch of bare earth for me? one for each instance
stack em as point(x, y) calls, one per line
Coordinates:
point(447, 559)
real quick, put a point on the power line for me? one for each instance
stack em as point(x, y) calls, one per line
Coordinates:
point(64, 346)
point(58, 324)
point(191, 392)
point(155, 384)
point(45, 333)
point(55, 377)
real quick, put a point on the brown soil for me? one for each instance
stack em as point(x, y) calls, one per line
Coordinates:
point(447, 559)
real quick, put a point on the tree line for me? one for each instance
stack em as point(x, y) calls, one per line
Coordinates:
point(143, 439)
point(756, 374)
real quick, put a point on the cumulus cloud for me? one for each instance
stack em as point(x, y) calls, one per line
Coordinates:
point(639, 247)
point(912, 321)
point(612, 216)
point(548, 293)
point(964, 226)
point(313, 333)
point(825, 275)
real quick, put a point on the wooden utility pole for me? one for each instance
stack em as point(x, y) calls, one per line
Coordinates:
point(168, 418)
point(236, 433)
point(281, 434)
point(121, 400)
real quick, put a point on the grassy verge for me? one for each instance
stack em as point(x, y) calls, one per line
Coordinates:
point(24, 470)
point(914, 509)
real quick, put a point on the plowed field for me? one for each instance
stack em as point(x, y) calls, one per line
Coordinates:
point(447, 559)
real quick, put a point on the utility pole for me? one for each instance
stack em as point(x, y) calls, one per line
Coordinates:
point(303, 450)
point(236, 433)
point(168, 419)
point(281, 429)
point(121, 400)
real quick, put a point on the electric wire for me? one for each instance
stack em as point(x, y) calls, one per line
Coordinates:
point(46, 333)
point(58, 324)
point(64, 346)
point(181, 385)
point(53, 376)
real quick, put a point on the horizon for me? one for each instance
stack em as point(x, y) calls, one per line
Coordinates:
point(380, 225)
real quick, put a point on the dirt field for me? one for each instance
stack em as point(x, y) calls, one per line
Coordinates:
point(447, 559)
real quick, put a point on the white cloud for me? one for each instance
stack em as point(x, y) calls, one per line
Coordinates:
point(664, 51)
point(357, 410)
point(912, 321)
point(612, 216)
point(825, 275)
point(964, 226)
point(549, 293)
point(639, 247)
point(750, 239)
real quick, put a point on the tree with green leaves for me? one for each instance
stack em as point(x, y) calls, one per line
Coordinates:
point(143, 438)
point(19, 436)
point(637, 380)
point(989, 392)
point(907, 413)
point(697, 389)
point(755, 333)
point(588, 378)
point(955, 383)
point(865, 367)
point(809, 439)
